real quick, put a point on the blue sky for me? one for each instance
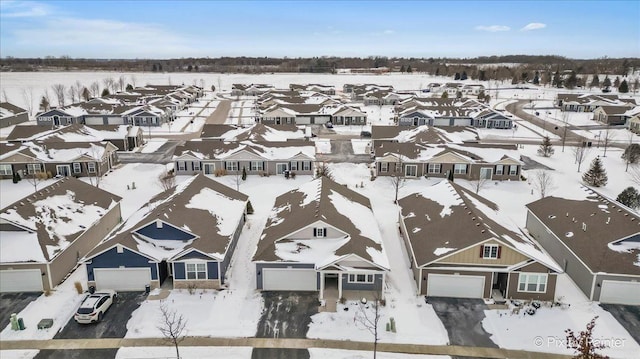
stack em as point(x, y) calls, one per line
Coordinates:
point(173, 29)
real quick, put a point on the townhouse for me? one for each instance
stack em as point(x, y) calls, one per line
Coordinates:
point(12, 115)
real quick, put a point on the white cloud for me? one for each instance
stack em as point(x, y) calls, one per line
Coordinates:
point(10, 8)
point(534, 26)
point(388, 32)
point(493, 28)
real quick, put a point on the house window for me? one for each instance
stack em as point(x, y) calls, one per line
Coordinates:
point(182, 166)
point(196, 270)
point(294, 166)
point(513, 170)
point(33, 168)
point(499, 169)
point(232, 166)
point(460, 168)
point(490, 251)
point(196, 166)
point(433, 168)
point(411, 170)
point(361, 278)
point(530, 282)
point(77, 167)
point(255, 166)
point(384, 166)
point(91, 167)
point(319, 232)
point(5, 170)
point(306, 166)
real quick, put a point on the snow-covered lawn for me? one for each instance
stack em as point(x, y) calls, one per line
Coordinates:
point(323, 145)
point(321, 353)
point(60, 306)
point(544, 331)
point(185, 352)
point(18, 354)
point(153, 144)
point(522, 131)
point(555, 117)
point(378, 115)
point(361, 147)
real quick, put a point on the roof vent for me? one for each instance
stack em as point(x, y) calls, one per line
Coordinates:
point(22, 203)
point(567, 214)
point(477, 224)
point(584, 226)
point(608, 220)
point(158, 223)
point(552, 216)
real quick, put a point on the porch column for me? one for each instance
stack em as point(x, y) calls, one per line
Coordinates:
point(321, 285)
point(384, 280)
point(339, 285)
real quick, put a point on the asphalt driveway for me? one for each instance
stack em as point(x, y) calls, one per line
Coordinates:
point(77, 354)
point(463, 319)
point(14, 303)
point(114, 323)
point(285, 315)
point(628, 316)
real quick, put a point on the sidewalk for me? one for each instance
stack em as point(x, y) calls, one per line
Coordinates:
point(476, 352)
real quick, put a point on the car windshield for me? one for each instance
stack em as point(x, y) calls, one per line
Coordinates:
point(85, 310)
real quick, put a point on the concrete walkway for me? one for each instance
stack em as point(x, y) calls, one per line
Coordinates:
point(475, 352)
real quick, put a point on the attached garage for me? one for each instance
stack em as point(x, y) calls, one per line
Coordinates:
point(441, 122)
point(123, 279)
point(289, 279)
point(21, 280)
point(303, 120)
point(93, 121)
point(619, 292)
point(457, 286)
point(462, 122)
point(115, 121)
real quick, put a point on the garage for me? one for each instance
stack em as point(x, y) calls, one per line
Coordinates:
point(115, 120)
point(303, 120)
point(123, 279)
point(619, 292)
point(21, 280)
point(441, 122)
point(457, 286)
point(289, 279)
point(93, 121)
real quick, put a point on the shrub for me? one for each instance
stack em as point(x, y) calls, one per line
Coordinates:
point(220, 172)
point(78, 287)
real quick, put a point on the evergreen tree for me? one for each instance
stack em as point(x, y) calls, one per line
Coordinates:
point(616, 82)
point(438, 71)
point(463, 76)
point(249, 208)
point(409, 69)
point(44, 104)
point(105, 92)
point(129, 87)
point(514, 80)
point(456, 76)
point(536, 78)
point(244, 173)
point(445, 95)
point(572, 81)
point(450, 176)
point(557, 79)
point(624, 87)
point(596, 176)
point(595, 81)
point(630, 197)
point(402, 69)
point(606, 82)
point(632, 153)
point(546, 149)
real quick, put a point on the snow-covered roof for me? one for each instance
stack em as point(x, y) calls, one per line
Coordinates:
point(445, 218)
point(52, 152)
point(45, 223)
point(220, 150)
point(603, 233)
point(321, 201)
point(10, 110)
point(205, 211)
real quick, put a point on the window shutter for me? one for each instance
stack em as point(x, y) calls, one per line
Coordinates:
point(324, 232)
point(481, 251)
point(225, 165)
point(499, 250)
point(315, 232)
point(264, 167)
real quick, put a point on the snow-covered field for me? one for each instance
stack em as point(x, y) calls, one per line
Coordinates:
point(152, 145)
point(361, 147)
point(18, 354)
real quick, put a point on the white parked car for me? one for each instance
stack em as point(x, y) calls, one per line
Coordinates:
point(93, 307)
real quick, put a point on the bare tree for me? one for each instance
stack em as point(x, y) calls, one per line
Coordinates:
point(480, 183)
point(72, 93)
point(85, 94)
point(133, 81)
point(584, 344)
point(397, 178)
point(368, 316)
point(606, 140)
point(36, 176)
point(237, 179)
point(580, 153)
point(121, 82)
point(27, 96)
point(167, 180)
point(323, 170)
point(4, 97)
point(59, 92)
point(543, 182)
point(565, 127)
point(98, 158)
point(635, 174)
point(172, 327)
point(109, 84)
point(95, 89)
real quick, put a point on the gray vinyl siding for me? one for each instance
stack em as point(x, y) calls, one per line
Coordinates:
point(126, 259)
point(224, 265)
point(375, 286)
point(578, 272)
point(180, 273)
point(261, 266)
point(268, 167)
point(14, 120)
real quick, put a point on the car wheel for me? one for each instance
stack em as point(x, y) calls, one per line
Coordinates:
point(100, 317)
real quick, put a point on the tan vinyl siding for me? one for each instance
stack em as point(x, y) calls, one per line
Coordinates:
point(471, 255)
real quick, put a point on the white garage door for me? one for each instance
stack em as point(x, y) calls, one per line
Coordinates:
point(93, 121)
point(289, 279)
point(461, 122)
point(303, 120)
point(458, 286)
point(115, 120)
point(132, 279)
point(21, 280)
point(441, 122)
point(618, 292)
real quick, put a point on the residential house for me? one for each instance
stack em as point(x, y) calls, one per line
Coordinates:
point(322, 237)
point(258, 132)
point(77, 159)
point(256, 158)
point(611, 115)
point(595, 240)
point(460, 245)
point(468, 161)
point(633, 119)
point(451, 112)
point(323, 89)
point(187, 233)
point(576, 102)
point(43, 235)
point(12, 115)
point(249, 90)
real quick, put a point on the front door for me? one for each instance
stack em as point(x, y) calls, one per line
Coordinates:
point(209, 168)
point(281, 168)
point(63, 170)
